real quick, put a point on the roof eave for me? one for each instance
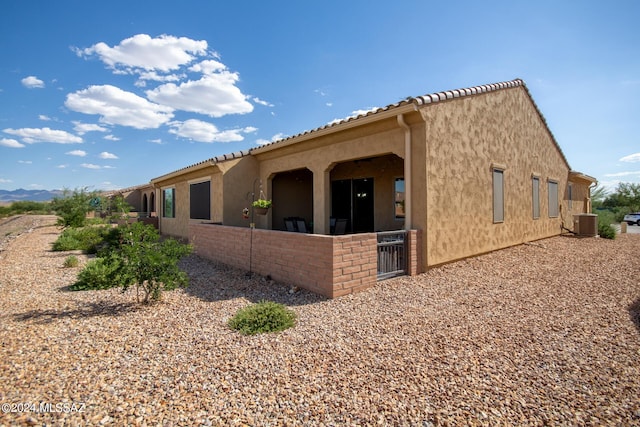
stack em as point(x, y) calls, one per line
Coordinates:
point(582, 176)
point(339, 127)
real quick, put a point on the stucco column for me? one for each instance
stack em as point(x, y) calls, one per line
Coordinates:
point(321, 199)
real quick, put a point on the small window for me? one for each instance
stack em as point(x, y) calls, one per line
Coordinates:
point(168, 203)
point(570, 196)
point(200, 200)
point(399, 198)
point(498, 195)
point(535, 196)
point(553, 199)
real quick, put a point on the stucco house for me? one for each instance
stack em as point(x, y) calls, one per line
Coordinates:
point(461, 172)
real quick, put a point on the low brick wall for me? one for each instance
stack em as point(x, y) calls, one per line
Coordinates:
point(328, 265)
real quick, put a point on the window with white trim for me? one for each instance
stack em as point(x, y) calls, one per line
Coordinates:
point(535, 196)
point(399, 195)
point(554, 210)
point(498, 195)
point(169, 203)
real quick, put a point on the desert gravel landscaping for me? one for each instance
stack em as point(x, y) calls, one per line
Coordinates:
point(539, 334)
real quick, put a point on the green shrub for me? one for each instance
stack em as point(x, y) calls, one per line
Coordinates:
point(606, 231)
point(87, 239)
point(72, 207)
point(132, 255)
point(71, 261)
point(97, 274)
point(605, 219)
point(265, 316)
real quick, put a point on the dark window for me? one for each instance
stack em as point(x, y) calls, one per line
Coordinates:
point(200, 200)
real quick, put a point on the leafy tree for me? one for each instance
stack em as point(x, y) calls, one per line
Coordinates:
point(598, 194)
point(135, 256)
point(625, 199)
point(73, 206)
point(120, 206)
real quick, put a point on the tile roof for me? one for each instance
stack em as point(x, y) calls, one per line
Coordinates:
point(424, 100)
point(417, 101)
point(211, 161)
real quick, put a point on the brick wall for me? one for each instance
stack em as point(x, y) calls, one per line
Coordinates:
point(328, 265)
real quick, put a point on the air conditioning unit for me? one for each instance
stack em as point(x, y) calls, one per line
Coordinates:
point(586, 225)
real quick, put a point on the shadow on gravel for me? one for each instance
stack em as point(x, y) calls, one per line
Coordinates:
point(212, 281)
point(634, 313)
point(89, 310)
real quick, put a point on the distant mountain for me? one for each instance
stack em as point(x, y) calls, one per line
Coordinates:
point(32, 195)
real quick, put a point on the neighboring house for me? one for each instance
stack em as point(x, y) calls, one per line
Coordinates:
point(141, 198)
point(463, 171)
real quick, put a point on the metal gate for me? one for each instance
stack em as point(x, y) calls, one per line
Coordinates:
point(392, 254)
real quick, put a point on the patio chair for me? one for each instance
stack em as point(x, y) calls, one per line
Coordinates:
point(341, 226)
point(289, 224)
point(302, 226)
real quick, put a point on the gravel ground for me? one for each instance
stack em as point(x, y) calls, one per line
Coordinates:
point(539, 334)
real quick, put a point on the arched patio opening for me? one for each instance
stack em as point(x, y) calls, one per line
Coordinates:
point(152, 202)
point(292, 195)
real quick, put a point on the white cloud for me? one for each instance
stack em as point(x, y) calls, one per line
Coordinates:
point(82, 128)
point(25, 162)
point(90, 166)
point(112, 138)
point(154, 76)
point(214, 95)
point(621, 174)
point(11, 143)
point(79, 153)
point(32, 82)
point(107, 155)
point(5, 181)
point(33, 135)
point(141, 52)
point(200, 131)
point(274, 138)
point(354, 114)
point(262, 102)
point(44, 118)
point(208, 66)
point(36, 186)
point(62, 166)
point(631, 158)
point(156, 141)
point(118, 107)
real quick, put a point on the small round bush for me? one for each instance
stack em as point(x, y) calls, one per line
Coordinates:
point(97, 274)
point(606, 231)
point(265, 316)
point(71, 261)
point(86, 239)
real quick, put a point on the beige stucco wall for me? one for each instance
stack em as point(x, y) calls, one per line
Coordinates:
point(238, 177)
point(179, 225)
point(464, 139)
point(231, 182)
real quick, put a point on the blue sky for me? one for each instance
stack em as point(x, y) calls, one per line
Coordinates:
point(111, 94)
